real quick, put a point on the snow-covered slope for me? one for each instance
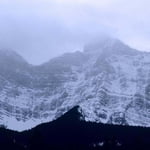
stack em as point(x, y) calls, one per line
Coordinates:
point(109, 81)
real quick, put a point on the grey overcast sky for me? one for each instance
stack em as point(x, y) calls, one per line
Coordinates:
point(42, 29)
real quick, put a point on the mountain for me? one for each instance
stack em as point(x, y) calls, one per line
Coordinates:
point(109, 81)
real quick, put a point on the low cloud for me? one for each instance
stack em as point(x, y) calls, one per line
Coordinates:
point(42, 29)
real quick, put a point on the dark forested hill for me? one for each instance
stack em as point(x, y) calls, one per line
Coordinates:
point(69, 132)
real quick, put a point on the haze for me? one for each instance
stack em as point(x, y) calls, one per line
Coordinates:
point(42, 29)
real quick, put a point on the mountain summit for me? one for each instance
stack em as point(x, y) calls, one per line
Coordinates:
point(109, 46)
point(109, 81)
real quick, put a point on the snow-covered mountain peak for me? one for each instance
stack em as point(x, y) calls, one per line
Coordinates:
point(109, 81)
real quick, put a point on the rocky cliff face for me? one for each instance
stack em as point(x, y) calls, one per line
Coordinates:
point(108, 80)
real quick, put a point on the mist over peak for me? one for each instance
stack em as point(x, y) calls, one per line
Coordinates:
point(51, 28)
point(108, 45)
point(9, 55)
